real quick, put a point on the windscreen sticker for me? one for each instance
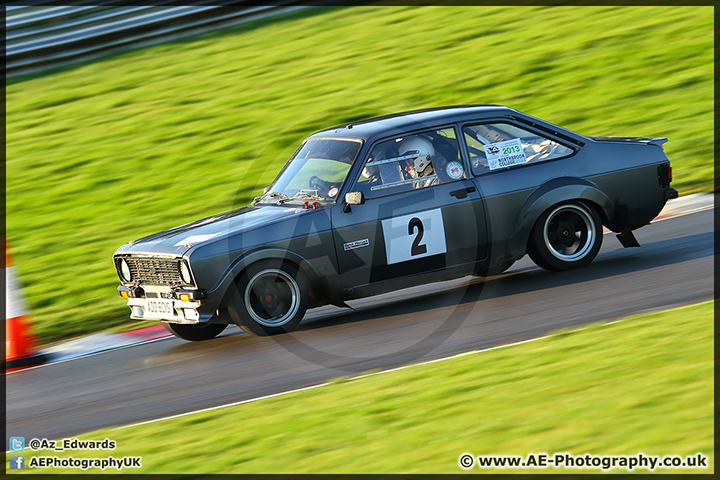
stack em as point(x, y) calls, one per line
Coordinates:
point(505, 154)
point(414, 236)
point(192, 239)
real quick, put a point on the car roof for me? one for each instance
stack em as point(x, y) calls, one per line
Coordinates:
point(403, 121)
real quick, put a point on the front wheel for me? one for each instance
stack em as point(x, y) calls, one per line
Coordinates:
point(270, 298)
point(195, 332)
point(566, 236)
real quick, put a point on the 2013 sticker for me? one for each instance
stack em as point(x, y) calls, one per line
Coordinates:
point(505, 154)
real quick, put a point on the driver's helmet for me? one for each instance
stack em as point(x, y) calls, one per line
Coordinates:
point(424, 151)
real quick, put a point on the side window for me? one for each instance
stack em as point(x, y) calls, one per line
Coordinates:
point(494, 146)
point(411, 162)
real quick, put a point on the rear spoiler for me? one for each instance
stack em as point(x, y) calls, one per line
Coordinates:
point(649, 140)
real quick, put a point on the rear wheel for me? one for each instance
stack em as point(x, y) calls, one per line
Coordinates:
point(270, 297)
point(566, 236)
point(195, 332)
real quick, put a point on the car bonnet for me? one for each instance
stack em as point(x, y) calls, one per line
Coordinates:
point(177, 241)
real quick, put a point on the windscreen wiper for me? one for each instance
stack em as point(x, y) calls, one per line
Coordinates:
point(268, 195)
point(301, 195)
point(308, 195)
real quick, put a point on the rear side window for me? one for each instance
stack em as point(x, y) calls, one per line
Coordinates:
point(497, 146)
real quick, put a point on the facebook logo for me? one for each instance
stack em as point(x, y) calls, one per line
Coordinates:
point(17, 444)
point(17, 462)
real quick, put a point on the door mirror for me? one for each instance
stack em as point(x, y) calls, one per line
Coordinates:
point(355, 198)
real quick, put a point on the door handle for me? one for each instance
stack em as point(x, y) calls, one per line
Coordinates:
point(462, 193)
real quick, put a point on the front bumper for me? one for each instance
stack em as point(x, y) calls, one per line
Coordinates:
point(163, 292)
point(166, 305)
point(180, 312)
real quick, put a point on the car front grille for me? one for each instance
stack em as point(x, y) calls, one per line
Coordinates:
point(155, 271)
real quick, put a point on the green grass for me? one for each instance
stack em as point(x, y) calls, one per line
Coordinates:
point(641, 385)
point(109, 151)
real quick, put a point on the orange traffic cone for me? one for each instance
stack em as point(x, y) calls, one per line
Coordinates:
point(19, 341)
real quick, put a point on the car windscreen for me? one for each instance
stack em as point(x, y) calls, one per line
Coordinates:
point(317, 169)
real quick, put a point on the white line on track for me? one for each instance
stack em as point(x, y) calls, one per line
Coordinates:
point(329, 383)
point(311, 387)
point(676, 215)
point(471, 352)
point(85, 355)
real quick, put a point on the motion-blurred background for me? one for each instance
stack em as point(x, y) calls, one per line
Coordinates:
point(120, 146)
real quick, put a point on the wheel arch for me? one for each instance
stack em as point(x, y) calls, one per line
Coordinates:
point(552, 193)
point(318, 288)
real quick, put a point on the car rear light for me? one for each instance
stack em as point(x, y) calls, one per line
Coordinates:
point(664, 172)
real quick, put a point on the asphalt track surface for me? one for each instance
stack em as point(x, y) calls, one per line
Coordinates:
point(168, 376)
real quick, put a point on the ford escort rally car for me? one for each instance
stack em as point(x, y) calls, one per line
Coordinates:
point(391, 202)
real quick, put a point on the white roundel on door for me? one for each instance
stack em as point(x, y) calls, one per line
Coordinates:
point(454, 170)
point(414, 236)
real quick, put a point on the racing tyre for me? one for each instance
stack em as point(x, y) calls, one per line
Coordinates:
point(195, 332)
point(566, 236)
point(271, 297)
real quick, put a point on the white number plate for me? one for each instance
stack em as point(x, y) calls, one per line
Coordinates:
point(158, 308)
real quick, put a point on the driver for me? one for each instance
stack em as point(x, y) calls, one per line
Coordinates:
point(421, 165)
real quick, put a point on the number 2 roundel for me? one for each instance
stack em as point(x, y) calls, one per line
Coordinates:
point(418, 235)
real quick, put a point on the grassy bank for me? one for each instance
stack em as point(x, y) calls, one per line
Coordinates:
point(110, 151)
point(641, 385)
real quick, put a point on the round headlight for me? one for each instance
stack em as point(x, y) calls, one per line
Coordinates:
point(125, 270)
point(185, 272)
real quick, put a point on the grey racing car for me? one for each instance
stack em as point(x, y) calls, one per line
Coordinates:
point(391, 202)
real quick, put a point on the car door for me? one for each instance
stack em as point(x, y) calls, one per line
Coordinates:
point(421, 213)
